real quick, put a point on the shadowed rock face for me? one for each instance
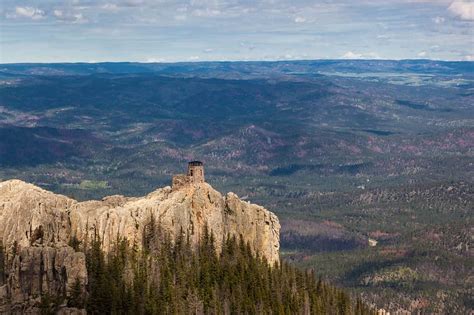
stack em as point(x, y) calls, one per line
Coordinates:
point(36, 227)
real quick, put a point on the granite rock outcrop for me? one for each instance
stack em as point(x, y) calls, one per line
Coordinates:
point(37, 227)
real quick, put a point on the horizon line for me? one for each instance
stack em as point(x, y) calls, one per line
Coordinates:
point(230, 61)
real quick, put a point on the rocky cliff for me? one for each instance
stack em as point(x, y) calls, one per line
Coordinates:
point(37, 226)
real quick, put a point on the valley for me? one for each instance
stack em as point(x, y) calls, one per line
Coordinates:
point(342, 151)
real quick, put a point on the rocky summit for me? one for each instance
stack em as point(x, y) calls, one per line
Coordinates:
point(38, 228)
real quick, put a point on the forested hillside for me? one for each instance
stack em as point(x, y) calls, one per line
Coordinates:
point(343, 151)
point(174, 278)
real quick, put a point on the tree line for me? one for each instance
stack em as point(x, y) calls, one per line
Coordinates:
point(174, 277)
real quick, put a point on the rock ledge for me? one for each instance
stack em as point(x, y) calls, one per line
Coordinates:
point(36, 227)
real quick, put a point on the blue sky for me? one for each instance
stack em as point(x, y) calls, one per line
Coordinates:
point(199, 30)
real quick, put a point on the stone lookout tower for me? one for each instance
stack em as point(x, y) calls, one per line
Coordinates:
point(194, 175)
point(196, 171)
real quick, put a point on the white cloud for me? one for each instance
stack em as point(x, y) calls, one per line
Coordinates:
point(422, 54)
point(194, 58)
point(275, 26)
point(352, 55)
point(439, 20)
point(28, 12)
point(469, 57)
point(79, 18)
point(300, 19)
point(155, 59)
point(463, 9)
point(72, 17)
point(110, 7)
point(207, 12)
point(58, 13)
point(285, 57)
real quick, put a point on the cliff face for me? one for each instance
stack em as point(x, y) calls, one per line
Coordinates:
point(36, 227)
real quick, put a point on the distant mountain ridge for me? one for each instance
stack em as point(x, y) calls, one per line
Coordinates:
point(241, 68)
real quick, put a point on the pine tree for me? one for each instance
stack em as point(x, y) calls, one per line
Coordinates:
point(99, 301)
point(172, 278)
point(75, 243)
point(47, 304)
point(75, 295)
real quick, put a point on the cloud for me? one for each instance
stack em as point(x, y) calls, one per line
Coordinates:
point(112, 7)
point(463, 9)
point(72, 17)
point(238, 29)
point(207, 12)
point(300, 19)
point(352, 55)
point(439, 20)
point(422, 54)
point(272, 57)
point(155, 59)
point(28, 12)
point(58, 13)
point(38, 14)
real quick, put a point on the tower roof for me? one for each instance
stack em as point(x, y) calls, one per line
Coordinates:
point(195, 163)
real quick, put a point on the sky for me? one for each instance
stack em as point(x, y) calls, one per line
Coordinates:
point(202, 30)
